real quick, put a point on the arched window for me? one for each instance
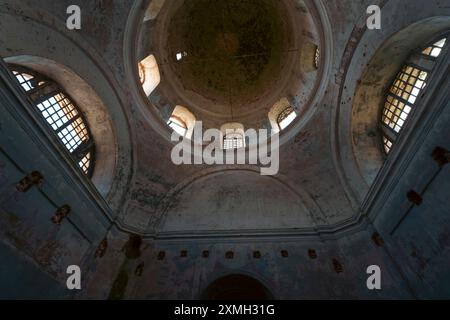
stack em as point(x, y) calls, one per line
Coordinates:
point(233, 136)
point(405, 91)
point(178, 125)
point(281, 115)
point(60, 114)
point(182, 121)
point(286, 117)
point(149, 74)
point(233, 141)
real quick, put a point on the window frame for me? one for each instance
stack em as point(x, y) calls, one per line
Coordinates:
point(177, 121)
point(317, 57)
point(437, 38)
point(417, 54)
point(283, 115)
point(234, 139)
point(45, 89)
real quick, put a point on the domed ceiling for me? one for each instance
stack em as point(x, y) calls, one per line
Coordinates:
point(234, 48)
point(232, 61)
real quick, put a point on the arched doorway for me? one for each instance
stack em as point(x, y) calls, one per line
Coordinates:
point(236, 287)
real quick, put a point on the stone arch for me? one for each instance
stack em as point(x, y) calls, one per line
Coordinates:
point(92, 108)
point(185, 116)
point(236, 287)
point(370, 97)
point(357, 143)
point(27, 48)
point(297, 214)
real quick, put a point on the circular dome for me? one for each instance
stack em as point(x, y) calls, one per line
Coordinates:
point(233, 61)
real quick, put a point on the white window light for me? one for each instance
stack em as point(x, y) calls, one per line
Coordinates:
point(181, 55)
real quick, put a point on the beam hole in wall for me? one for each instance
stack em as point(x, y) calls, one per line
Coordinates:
point(337, 266)
point(377, 239)
point(161, 255)
point(312, 254)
